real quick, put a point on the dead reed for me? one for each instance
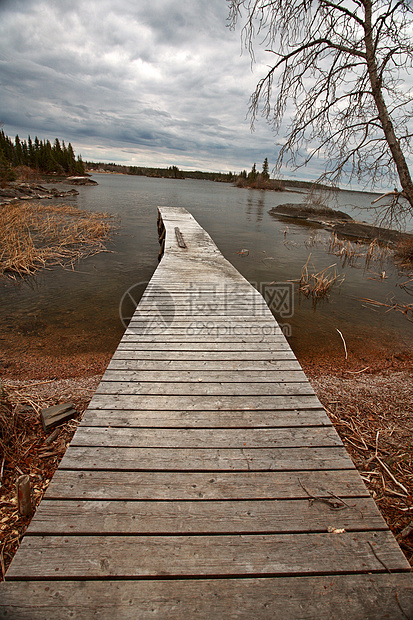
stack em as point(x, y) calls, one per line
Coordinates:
point(350, 252)
point(33, 236)
point(404, 253)
point(318, 285)
point(406, 309)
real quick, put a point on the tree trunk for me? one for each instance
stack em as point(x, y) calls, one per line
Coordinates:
point(384, 117)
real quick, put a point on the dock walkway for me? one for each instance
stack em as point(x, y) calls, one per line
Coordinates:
point(205, 479)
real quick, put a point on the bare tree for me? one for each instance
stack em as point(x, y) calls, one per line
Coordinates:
point(338, 69)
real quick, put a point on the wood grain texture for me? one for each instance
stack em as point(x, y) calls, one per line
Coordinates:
point(204, 459)
point(187, 556)
point(297, 437)
point(167, 418)
point(191, 485)
point(248, 344)
point(183, 354)
point(170, 368)
point(341, 597)
point(59, 517)
point(205, 388)
point(204, 402)
point(234, 375)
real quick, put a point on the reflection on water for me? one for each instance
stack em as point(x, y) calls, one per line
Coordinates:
point(78, 309)
point(255, 206)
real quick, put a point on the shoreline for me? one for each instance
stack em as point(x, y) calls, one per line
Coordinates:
point(368, 400)
point(34, 357)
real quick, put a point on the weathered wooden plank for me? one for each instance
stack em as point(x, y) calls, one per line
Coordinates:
point(201, 388)
point(186, 556)
point(214, 297)
point(211, 292)
point(181, 312)
point(180, 238)
point(241, 320)
point(59, 517)
point(213, 329)
point(296, 437)
point(210, 285)
point(205, 419)
point(208, 376)
point(147, 352)
point(341, 597)
point(171, 368)
point(173, 375)
point(203, 402)
point(219, 333)
point(57, 414)
point(157, 341)
point(204, 459)
point(158, 485)
point(152, 343)
point(187, 310)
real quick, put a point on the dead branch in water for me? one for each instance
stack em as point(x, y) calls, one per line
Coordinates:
point(406, 309)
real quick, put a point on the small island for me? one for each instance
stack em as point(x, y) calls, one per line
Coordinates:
point(340, 223)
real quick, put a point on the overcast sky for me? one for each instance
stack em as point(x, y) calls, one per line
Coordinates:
point(142, 82)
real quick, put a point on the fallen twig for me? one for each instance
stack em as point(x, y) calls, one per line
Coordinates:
point(399, 484)
point(344, 342)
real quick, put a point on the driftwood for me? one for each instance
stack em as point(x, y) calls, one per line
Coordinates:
point(180, 238)
point(58, 414)
point(24, 499)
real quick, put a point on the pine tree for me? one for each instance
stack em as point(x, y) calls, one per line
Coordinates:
point(252, 177)
point(18, 152)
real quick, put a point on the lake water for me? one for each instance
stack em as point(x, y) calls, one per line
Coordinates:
point(79, 309)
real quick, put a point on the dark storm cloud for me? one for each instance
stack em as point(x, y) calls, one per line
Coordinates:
point(154, 83)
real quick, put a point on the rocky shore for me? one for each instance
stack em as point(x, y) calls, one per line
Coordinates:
point(339, 222)
point(17, 190)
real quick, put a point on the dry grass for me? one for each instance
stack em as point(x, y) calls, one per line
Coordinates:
point(26, 449)
point(33, 235)
point(350, 252)
point(318, 285)
point(404, 253)
point(346, 250)
point(373, 414)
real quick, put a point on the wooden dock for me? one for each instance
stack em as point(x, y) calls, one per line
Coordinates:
point(205, 480)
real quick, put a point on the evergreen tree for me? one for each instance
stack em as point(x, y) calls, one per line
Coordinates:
point(6, 171)
point(265, 170)
point(30, 151)
point(252, 177)
point(80, 166)
point(18, 152)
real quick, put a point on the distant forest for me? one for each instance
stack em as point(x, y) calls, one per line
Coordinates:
point(38, 155)
point(172, 172)
point(17, 157)
point(253, 179)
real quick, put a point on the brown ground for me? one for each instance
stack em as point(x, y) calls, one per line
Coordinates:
point(372, 410)
point(370, 402)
